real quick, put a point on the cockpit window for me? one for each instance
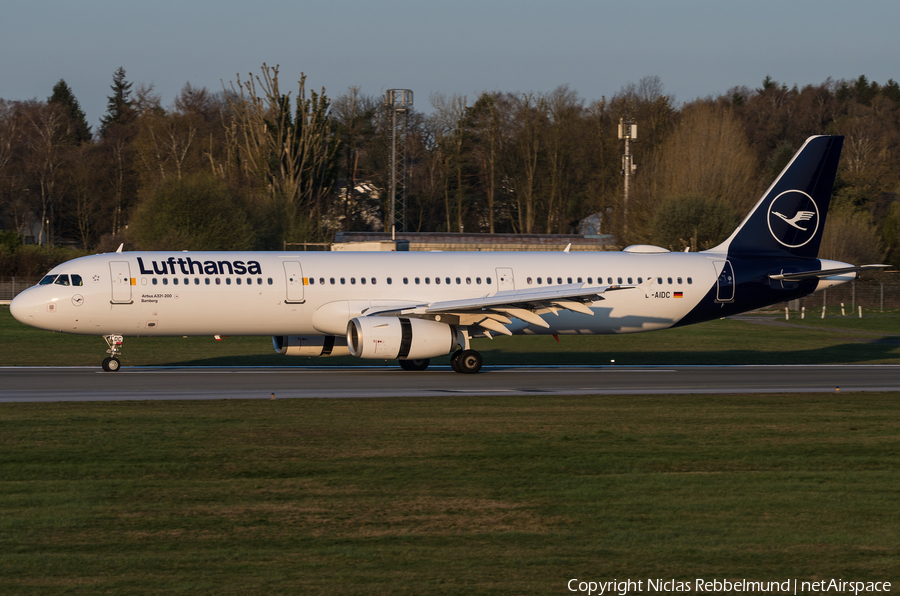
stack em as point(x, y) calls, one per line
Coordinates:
point(76, 280)
point(62, 280)
point(48, 279)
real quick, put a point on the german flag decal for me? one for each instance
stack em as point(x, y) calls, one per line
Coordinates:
point(679, 294)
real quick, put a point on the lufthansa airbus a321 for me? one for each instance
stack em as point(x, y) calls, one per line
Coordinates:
point(415, 306)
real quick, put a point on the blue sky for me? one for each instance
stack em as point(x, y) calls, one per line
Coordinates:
point(696, 47)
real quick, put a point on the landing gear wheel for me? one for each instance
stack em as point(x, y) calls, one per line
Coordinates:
point(111, 364)
point(454, 360)
point(417, 364)
point(469, 362)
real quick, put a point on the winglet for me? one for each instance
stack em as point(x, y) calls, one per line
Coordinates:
point(568, 246)
point(121, 246)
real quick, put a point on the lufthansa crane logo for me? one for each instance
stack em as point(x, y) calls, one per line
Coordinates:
point(793, 218)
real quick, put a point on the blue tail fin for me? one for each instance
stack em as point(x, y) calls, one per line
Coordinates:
point(790, 216)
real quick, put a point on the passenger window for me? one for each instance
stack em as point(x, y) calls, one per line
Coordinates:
point(405, 281)
point(559, 280)
point(447, 279)
point(48, 279)
point(619, 280)
point(549, 280)
point(321, 281)
point(427, 280)
point(458, 281)
point(437, 280)
point(270, 281)
point(352, 281)
point(196, 281)
point(228, 281)
point(62, 280)
point(540, 280)
point(362, 280)
point(690, 281)
point(312, 281)
point(488, 281)
point(373, 281)
point(332, 281)
point(528, 281)
point(205, 279)
point(469, 280)
point(478, 280)
point(579, 280)
point(629, 281)
point(640, 280)
point(154, 281)
point(165, 281)
point(238, 281)
point(343, 281)
point(389, 281)
point(175, 281)
point(590, 280)
point(659, 280)
point(76, 280)
point(679, 281)
point(669, 279)
point(609, 280)
point(417, 281)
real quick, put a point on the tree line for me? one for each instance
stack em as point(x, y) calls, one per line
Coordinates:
point(254, 165)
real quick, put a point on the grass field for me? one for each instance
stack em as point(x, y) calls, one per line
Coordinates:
point(490, 495)
point(872, 339)
point(512, 495)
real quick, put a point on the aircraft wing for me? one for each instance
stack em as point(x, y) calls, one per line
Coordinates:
point(494, 312)
point(822, 273)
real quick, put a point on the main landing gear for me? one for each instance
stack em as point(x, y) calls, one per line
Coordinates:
point(111, 363)
point(466, 361)
point(418, 364)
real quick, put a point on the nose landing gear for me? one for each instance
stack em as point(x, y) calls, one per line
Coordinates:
point(111, 363)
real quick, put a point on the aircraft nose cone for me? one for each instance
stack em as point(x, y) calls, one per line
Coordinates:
point(22, 308)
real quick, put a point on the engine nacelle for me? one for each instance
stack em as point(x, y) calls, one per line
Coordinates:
point(393, 337)
point(310, 345)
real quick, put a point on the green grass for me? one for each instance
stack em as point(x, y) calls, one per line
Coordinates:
point(715, 342)
point(511, 495)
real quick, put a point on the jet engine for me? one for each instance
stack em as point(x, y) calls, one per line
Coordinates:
point(310, 345)
point(393, 337)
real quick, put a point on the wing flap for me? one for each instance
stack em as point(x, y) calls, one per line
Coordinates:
point(492, 313)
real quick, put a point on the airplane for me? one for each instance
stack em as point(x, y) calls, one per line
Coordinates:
point(414, 306)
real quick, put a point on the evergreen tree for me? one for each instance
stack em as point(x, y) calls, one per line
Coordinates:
point(119, 108)
point(79, 130)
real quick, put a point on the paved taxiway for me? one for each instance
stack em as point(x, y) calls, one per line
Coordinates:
point(44, 384)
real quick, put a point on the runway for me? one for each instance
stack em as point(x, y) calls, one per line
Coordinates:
point(49, 384)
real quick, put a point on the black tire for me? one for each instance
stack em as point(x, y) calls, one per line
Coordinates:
point(112, 364)
point(418, 364)
point(469, 362)
point(454, 360)
point(105, 364)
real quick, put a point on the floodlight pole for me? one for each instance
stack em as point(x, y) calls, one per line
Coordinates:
point(398, 101)
point(627, 132)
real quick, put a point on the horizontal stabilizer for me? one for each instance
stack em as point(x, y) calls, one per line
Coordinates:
point(799, 276)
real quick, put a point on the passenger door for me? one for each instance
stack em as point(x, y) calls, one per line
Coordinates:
point(725, 282)
point(293, 275)
point(120, 276)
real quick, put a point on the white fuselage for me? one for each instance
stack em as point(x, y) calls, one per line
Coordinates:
point(309, 293)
